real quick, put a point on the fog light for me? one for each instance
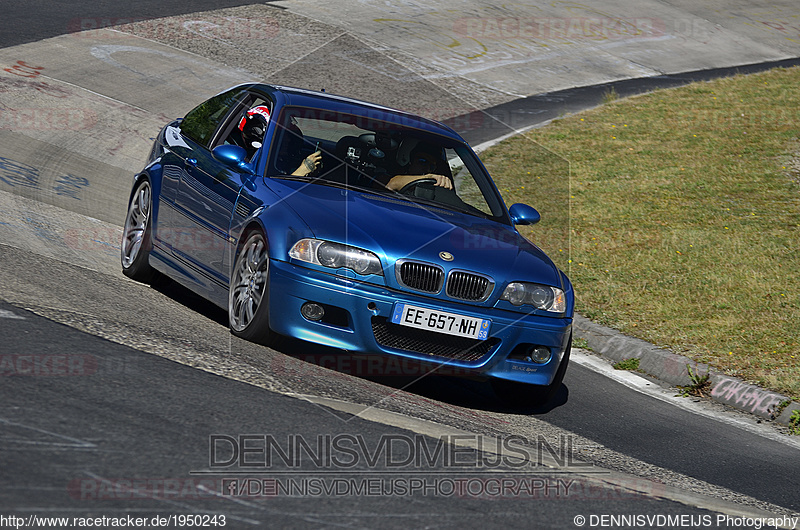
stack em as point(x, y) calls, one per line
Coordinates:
point(538, 355)
point(312, 311)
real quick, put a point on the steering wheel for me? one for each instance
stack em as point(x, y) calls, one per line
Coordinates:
point(414, 183)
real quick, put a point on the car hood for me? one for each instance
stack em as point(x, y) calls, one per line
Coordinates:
point(395, 228)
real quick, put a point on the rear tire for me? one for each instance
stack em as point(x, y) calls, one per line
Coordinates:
point(136, 233)
point(248, 294)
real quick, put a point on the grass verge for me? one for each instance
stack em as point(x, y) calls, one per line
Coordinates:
point(677, 216)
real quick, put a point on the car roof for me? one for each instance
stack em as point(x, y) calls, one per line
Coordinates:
point(317, 99)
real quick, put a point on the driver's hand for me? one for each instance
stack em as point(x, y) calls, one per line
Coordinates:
point(313, 161)
point(310, 164)
point(398, 182)
point(441, 181)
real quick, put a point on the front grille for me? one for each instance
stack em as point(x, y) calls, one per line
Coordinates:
point(421, 276)
point(404, 338)
point(467, 286)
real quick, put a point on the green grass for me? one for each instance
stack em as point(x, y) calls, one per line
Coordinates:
point(794, 422)
point(631, 364)
point(677, 216)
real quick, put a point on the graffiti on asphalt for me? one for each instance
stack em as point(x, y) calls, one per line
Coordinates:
point(20, 175)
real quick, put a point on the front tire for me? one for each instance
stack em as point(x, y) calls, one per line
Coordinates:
point(136, 233)
point(248, 295)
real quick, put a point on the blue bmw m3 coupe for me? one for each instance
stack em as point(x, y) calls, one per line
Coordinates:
point(352, 225)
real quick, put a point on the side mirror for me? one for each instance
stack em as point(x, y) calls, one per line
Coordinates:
point(233, 156)
point(522, 214)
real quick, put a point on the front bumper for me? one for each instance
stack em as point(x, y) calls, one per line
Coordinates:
point(358, 320)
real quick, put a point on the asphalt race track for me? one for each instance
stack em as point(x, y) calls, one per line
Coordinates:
point(113, 392)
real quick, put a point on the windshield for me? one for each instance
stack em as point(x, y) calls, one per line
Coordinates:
point(357, 151)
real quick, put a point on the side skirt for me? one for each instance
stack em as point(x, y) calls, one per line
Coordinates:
point(191, 278)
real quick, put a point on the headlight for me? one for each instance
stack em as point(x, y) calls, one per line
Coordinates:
point(539, 296)
point(336, 256)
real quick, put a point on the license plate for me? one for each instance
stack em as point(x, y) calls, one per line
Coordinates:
point(441, 321)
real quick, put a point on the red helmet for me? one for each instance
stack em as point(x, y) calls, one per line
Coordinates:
point(254, 126)
point(263, 110)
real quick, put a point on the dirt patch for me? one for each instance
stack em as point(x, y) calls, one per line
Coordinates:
point(793, 165)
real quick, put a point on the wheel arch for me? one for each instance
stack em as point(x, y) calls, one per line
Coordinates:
point(136, 265)
point(155, 194)
point(280, 226)
point(255, 327)
point(137, 179)
point(248, 228)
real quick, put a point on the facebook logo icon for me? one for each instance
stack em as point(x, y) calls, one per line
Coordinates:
point(230, 486)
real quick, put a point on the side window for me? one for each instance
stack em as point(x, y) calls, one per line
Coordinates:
point(248, 125)
point(473, 191)
point(203, 120)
